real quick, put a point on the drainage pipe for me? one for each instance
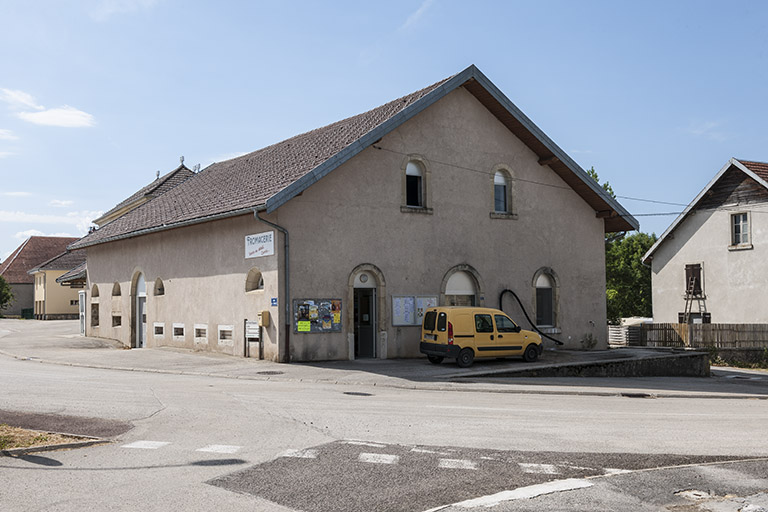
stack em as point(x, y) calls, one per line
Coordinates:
point(286, 285)
point(501, 296)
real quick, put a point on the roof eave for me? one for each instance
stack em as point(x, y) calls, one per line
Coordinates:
point(165, 227)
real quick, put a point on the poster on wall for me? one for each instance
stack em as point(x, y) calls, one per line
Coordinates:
point(410, 309)
point(316, 315)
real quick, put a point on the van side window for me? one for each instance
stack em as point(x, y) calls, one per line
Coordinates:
point(504, 324)
point(429, 320)
point(441, 321)
point(483, 323)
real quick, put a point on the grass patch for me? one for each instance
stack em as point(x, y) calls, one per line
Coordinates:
point(15, 437)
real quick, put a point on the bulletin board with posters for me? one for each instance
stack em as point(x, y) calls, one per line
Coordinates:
point(410, 309)
point(316, 315)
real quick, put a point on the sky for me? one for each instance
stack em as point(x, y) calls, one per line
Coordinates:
point(96, 96)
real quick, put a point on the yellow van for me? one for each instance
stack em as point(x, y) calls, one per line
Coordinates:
point(469, 332)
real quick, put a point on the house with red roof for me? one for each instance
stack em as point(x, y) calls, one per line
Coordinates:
point(53, 299)
point(709, 266)
point(31, 253)
point(331, 244)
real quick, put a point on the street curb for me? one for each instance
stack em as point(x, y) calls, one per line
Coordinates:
point(444, 386)
point(91, 441)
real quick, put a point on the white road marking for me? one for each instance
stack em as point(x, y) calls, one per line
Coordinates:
point(299, 454)
point(522, 493)
point(546, 469)
point(422, 450)
point(219, 448)
point(378, 458)
point(612, 471)
point(146, 445)
point(457, 464)
point(364, 443)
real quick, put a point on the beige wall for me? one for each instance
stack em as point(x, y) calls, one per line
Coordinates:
point(353, 217)
point(52, 300)
point(733, 282)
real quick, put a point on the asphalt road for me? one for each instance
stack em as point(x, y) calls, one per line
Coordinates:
point(202, 443)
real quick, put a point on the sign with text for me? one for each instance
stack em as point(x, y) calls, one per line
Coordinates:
point(260, 244)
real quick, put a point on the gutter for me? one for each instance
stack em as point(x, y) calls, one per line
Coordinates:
point(286, 285)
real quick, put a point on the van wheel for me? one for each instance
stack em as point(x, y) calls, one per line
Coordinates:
point(435, 359)
point(466, 357)
point(531, 353)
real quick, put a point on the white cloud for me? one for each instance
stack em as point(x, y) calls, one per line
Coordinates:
point(417, 14)
point(23, 235)
point(80, 220)
point(19, 99)
point(6, 154)
point(66, 116)
point(61, 203)
point(108, 8)
point(7, 135)
point(16, 194)
point(709, 130)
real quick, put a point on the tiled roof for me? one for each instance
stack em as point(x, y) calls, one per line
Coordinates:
point(158, 187)
point(34, 251)
point(269, 177)
point(249, 180)
point(76, 274)
point(759, 168)
point(64, 261)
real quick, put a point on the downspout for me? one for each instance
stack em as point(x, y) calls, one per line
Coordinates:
point(286, 285)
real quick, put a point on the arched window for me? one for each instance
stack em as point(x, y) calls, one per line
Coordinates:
point(116, 290)
point(501, 199)
point(414, 184)
point(460, 290)
point(159, 287)
point(254, 280)
point(545, 300)
point(94, 291)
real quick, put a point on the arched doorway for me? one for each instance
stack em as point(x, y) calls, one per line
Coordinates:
point(367, 292)
point(139, 311)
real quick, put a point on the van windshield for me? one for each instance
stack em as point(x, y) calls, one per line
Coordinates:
point(429, 320)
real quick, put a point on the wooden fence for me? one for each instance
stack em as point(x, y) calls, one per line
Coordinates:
point(705, 335)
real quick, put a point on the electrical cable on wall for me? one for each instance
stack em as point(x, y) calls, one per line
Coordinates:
point(543, 334)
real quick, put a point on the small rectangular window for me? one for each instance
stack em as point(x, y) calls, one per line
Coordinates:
point(159, 330)
point(441, 322)
point(413, 191)
point(74, 302)
point(500, 198)
point(178, 332)
point(740, 229)
point(117, 320)
point(226, 335)
point(544, 307)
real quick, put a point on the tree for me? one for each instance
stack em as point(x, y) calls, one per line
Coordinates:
point(628, 281)
point(6, 295)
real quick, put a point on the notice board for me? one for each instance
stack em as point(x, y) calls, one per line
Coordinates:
point(316, 315)
point(409, 309)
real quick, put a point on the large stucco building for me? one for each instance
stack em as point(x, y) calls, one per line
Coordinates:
point(713, 258)
point(338, 238)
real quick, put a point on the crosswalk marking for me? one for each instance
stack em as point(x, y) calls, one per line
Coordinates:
point(146, 445)
point(219, 448)
point(457, 464)
point(546, 469)
point(300, 454)
point(364, 443)
point(378, 458)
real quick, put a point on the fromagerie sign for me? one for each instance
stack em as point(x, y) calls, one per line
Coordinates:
point(260, 244)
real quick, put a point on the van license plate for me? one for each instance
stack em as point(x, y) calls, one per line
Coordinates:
point(430, 337)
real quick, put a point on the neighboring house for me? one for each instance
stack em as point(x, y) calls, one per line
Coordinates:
point(159, 186)
point(34, 251)
point(53, 300)
point(713, 258)
point(339, 238)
